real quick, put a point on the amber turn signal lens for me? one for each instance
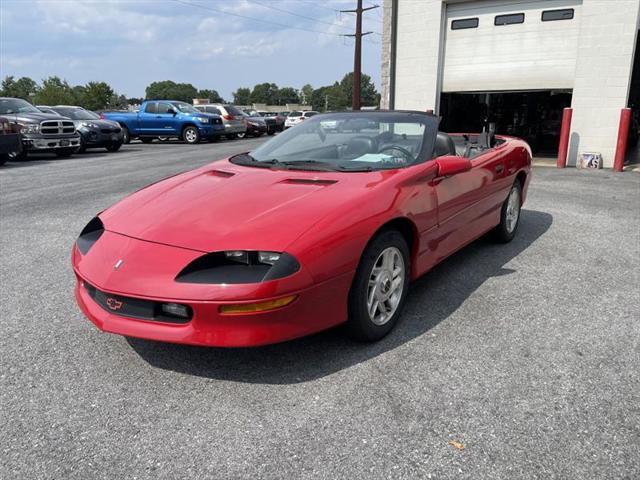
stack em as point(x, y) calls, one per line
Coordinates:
point(239, 308)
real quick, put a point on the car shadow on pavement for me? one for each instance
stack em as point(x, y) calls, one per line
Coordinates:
point(432, 299)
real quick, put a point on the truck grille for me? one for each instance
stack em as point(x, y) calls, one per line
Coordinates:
point(57, 127)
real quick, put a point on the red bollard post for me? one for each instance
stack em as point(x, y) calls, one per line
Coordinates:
point(623, 135)
point(563, 148)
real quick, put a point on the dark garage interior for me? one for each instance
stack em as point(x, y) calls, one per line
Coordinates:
point(535, 116)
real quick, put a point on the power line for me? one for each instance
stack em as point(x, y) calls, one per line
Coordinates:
point(246, 17)
point(297, 14)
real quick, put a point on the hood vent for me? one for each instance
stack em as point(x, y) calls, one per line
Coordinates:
point(309, 181)
point(220, 173)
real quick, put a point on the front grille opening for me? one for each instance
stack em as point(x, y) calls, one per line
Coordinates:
point(137, 308)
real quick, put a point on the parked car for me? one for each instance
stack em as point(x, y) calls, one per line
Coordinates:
point(308, 231)
point(294, 118)
point(167, 118)
point(94, 131)
point(10, 142)
point(256, 126)
point(40, 132)
point(47, 109)
point(232, 118)
point(275, 121)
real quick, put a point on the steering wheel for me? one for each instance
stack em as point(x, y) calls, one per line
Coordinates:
point(406, 153)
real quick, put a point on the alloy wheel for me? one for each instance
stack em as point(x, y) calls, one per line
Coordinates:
point(386, 285)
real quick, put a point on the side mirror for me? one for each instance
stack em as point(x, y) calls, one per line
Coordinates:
point(449, 165)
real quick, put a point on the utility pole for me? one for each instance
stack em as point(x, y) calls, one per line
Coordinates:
point(357, 58)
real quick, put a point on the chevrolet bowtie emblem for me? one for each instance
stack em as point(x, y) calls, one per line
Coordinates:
point(118, 264)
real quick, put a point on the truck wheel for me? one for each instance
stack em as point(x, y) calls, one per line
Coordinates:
point(17, 156)
point(191, 135)
point(65, 153)
point(241, 135)
point(126, 137)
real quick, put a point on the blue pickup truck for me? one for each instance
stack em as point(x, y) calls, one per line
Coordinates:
point(167, 118)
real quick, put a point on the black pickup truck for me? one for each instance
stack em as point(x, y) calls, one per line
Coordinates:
point(40, 132)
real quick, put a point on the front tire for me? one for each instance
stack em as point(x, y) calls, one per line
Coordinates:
point(113, 147)
point(126, 136)
point(509, 215)
point(191, 135)
point(380, 287)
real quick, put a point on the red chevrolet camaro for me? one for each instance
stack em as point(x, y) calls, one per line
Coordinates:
point(324, 224)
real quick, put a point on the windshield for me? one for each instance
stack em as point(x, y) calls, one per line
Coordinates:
point(185, 107)
point(350, 142)
point(16, 105)
point(77, 113)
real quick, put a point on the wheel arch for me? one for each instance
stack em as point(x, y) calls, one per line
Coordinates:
point(409, 231)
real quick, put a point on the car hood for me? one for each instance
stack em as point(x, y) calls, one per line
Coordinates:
point(100, 123)
point(33, 117)
point(225, 206)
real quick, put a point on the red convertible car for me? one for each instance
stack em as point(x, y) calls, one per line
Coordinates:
point(316, 227)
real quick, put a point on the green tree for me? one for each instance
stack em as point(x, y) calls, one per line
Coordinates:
point(24, 87)
point(212, 95)
point(97, 95)
point(328, 98)
point(368, 94)
point(306, 92)
point(117, 102)
point(78, 94)
point(55, 91)
point(242, 96)
point(264, 93)
point(287, 95)
point(169, 90)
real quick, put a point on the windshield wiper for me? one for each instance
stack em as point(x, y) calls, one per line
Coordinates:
point(305, 164)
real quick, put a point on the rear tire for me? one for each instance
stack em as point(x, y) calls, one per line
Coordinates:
point(191, 135)
point(509, 215)
point(380, 286)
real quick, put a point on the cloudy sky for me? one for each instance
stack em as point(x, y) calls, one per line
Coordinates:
point(216, 44)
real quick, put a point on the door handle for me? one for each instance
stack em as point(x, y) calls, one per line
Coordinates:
point(499, 168)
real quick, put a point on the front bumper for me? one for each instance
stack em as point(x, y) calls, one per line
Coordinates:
point(230, 129)
point(210, 131)
point(316, 308)
point(44, 143)
point(98, 138)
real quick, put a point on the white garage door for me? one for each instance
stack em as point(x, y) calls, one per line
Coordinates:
point(506, 45)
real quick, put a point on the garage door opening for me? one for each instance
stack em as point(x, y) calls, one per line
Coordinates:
point(534, 116)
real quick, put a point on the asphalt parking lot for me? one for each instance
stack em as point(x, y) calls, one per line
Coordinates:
point(526, 354)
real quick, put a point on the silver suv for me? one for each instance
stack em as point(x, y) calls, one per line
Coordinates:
point(232, 118)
